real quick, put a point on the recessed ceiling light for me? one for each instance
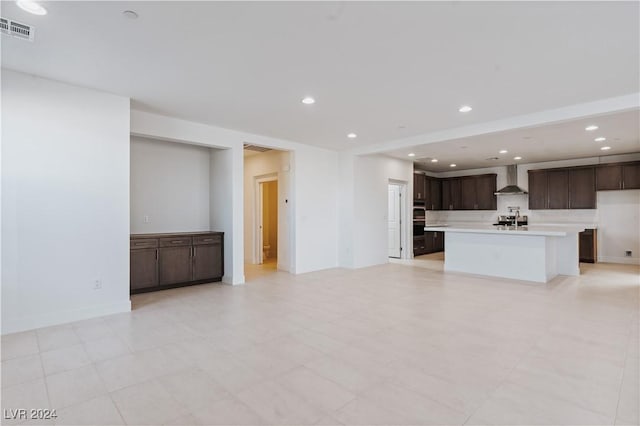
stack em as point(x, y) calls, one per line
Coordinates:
point(31, 7)
point(308, 100)
point(503, 151)
point(605, 148)
point(591, 128)
point(434, 160)
point(130, 14)
point(465, 108)
point(352, 136)
point(411, 154)
point(452, 165)
point(517, 158)
point(600, 139)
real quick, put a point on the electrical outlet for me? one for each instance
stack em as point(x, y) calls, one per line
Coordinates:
point(97, 284)
point(145, 219)
point(628, 253)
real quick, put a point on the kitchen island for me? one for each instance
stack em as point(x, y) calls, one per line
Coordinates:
point(533, 253)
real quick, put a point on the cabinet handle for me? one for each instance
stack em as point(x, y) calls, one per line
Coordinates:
point(156, 254)
point(207, 239)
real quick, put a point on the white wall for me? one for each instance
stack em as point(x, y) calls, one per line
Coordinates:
point(65, 202)
point(616, 215)
point(277, 164)
point(169, 185)
point(314, 185)
point(367, 244)
point(225, 202)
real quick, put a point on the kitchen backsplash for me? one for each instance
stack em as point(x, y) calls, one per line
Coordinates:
point(522, 201)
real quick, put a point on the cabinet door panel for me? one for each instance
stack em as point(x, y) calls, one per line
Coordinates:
point(485, 193)
point(608, 178)
point(143, 272)
point(582, 188)
point(435, 194)
point(468, 188)
point(418, 186)
point(175, 265)
point(588, 246)
point(538, 194)
point(558, 189)
point(446, 195)
point(207, 262)
point(631, 176)
point(456, 194)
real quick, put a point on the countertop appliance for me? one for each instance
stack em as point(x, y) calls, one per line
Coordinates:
point(510, 220)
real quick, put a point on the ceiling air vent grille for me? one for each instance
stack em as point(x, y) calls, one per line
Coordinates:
point(16, 29)
point(255, 148)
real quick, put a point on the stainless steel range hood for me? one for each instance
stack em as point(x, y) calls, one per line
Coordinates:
point(512, 187)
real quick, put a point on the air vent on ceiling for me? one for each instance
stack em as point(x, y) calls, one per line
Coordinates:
point(17, 29)
point(255, 148)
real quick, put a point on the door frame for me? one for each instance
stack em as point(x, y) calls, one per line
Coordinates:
point(258, 219)
point(405, 220)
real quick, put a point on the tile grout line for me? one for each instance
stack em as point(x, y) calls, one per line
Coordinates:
point(624, 368)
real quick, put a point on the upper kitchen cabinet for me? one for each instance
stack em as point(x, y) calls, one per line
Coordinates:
point(478, 192)
point(558, 189)
point(538, 194)
point(582, 188)
point(418, 186)
point(433, 191)
point(618, 176)
point(572, 188)
point(451, 194)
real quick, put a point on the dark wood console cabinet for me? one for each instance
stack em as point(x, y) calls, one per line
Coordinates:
point(161, 261)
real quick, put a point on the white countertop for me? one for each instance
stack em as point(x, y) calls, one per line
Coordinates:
point(532, 230)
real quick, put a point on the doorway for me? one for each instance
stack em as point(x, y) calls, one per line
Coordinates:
point(267, 221)
point(394, 216)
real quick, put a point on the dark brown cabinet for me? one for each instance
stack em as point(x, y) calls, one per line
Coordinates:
point(431, 242)
point(588, 246)
point(618, 176)
point(207, 257)
point(418, 186)
point(566, 188)
point(143, 272)
point(433, 193)
point(160, 261)
point(582, 188)
point(631, 176)
point(451, 194)
point(478, 192)
point(558, 189)
point(609, 177)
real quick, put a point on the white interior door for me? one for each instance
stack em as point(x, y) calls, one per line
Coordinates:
point(395, 237)
point(259, 222)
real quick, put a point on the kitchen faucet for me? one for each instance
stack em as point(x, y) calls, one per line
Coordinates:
point(517, 216)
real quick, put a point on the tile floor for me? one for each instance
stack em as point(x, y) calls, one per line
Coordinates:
point(393, 344)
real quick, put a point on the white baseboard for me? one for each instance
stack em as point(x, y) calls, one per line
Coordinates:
point(14, 325)
point(623, 260)
point(233, 280)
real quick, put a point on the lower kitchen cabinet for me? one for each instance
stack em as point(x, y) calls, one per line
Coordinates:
point(588, 247)
point(144, 268)
point(160, 261)
point(431, 242)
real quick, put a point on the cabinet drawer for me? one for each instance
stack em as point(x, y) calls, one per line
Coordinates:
point(207, 239)
point(175, 241)
point(142, 244)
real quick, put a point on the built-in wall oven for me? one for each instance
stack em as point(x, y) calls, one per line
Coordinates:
point(419, 218)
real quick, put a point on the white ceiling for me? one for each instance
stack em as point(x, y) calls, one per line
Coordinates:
point(372, 66)
point(560, 141)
